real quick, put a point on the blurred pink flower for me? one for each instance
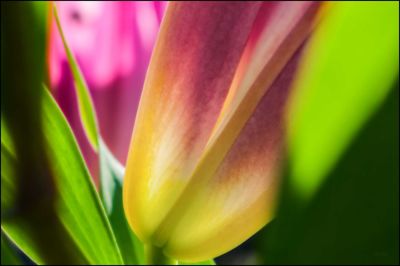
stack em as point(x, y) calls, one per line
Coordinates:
point(112, 42)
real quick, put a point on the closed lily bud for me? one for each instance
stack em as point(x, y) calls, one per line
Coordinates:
point(203, 167)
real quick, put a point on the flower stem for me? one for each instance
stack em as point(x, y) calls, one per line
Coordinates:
point(155, 256)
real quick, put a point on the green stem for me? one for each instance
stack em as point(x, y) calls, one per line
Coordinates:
point(155, 256)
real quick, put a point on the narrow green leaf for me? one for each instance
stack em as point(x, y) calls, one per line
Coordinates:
point(49, 207)
point(111, 171)
point(86, 108)
point(111, 175)
point(23, 32)
point(8, 254)
point(350, 64)
point(80, 217)
point(27, 185)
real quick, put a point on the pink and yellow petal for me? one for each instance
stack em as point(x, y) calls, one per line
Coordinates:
point(203, 165)
point(192, 67)
point(202, 201)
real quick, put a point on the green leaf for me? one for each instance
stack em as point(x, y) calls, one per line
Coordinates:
point(351, 61)
point(86, 109)
point(8, 254)
point(23, 33)
point(26, 184)
point(111, 175)
point(8, 167)
point(49, 207)
point(80, 218)
point(339, 198)
point(353, 219)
